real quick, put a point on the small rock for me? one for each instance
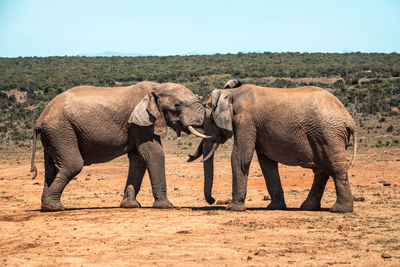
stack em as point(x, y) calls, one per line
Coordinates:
point(361, 198)
point(249, 258)
point(176, 188)
point(387, 184)
point(183, 232)
point(386, 256)
point(36, 183)
point(222, 202)
point(266, 197)
point(260, 252)
point(18, 162)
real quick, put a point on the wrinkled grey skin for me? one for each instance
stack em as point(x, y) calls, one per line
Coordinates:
point(86, 125)
point(306, 127)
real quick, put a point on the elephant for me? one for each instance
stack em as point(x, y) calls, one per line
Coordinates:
point(305, 126)
point(86, 125)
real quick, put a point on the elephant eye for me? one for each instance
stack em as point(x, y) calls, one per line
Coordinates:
point(177, 106)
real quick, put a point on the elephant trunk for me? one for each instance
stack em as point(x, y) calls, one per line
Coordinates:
point(193, 116)
point(208, 166)
point(197, 154)
point(211, 153)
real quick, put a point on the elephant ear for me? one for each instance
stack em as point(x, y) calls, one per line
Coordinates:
point(148, 112)
point(222, 111)
point(232, 84)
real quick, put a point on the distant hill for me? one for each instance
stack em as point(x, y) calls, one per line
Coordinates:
point(120, 54)
point(114, 54)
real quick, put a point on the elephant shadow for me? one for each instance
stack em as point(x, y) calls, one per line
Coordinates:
point(72, 209)
point(210, 208)
point(204, 208)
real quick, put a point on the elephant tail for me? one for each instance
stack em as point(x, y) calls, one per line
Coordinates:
point(353, 132)
point(35, 131)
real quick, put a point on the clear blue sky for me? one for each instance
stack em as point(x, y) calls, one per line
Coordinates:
point(170, 27)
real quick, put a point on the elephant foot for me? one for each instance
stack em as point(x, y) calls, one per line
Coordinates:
point(162, 204)
point(129, 203)
point(342, 207)
point(235, 206)
point(129, 200)
point(276, 206)
point(311, 206)
point(50, 206)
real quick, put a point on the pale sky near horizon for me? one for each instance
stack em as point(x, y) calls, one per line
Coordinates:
point(73, 27)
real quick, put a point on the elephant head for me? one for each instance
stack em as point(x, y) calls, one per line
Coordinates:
point(218, 125)
point(169, 104)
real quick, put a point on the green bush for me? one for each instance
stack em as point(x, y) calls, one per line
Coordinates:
point(44, 78)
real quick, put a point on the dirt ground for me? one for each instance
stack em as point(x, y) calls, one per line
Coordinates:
point(95, 231)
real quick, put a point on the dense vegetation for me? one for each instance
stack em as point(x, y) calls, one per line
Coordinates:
point(366, 83)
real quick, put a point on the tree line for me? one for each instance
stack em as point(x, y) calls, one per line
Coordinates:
point(365, 82)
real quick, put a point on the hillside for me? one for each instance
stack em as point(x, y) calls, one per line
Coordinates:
point(368, 84)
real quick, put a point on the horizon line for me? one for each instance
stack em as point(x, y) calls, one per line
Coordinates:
point(128, 54)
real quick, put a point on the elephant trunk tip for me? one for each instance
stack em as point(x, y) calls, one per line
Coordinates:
point(191, 158)
point(210, 200)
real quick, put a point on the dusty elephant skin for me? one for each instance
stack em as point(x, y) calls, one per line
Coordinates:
point(306, 127)
point(86, 125)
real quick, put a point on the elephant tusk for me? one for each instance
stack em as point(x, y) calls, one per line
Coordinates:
point(193, 131)
point(213, 149)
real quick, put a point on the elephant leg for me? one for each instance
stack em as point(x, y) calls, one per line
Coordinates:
point(137, 168)
point(50, 172)
point(51, 196)
point(153, 154)
point(313, 201)
point(242, 154)
point(61, 165)
point(270, 171)
point(344, 198)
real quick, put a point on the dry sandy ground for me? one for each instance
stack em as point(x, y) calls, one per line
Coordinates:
point(95, 231)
